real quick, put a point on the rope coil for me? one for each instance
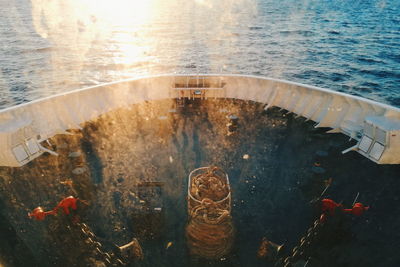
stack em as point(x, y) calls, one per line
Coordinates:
point(210, 230)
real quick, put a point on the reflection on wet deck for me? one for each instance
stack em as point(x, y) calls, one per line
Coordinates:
point(270, 159)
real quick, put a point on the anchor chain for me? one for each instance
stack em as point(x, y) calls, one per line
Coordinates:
point(304, 246)
point(98, 253)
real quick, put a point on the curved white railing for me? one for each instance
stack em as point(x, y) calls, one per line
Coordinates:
point(375, 125)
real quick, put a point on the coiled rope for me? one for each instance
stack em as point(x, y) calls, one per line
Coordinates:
point(210, 230)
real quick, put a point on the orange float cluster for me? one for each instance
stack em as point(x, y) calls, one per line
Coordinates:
point(65, 204)
point(328, 208)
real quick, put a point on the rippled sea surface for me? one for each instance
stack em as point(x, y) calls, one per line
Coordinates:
point(48, 47)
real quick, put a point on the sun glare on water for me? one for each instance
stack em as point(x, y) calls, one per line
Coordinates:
point(47, 13)
point(93, 26)
point(122, 11)
point(102, 40)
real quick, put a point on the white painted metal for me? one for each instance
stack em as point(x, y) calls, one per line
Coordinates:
point(31, 123)
point(365, 144)
point(377, 151)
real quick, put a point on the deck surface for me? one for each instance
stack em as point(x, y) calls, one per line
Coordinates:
point(145, 153)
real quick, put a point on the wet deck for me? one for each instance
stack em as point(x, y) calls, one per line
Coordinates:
point(157, 142)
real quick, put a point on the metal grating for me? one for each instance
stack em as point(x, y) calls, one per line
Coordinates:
point(365, 144)
point(377, 151)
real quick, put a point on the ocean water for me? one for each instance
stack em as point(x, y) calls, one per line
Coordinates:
point(52, 46)
point(48, 47)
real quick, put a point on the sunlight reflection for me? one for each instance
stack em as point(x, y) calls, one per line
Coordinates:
point(93, 41)
point(92, 26)
point(122, 12)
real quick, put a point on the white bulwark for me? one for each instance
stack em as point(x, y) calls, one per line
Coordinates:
point(375, 126)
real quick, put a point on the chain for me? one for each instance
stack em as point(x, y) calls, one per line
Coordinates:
point(303, 247)
point(110, 259)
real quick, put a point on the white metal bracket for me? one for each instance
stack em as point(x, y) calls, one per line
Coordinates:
point(353, 148)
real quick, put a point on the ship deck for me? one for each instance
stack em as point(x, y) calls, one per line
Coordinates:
point(276, 163)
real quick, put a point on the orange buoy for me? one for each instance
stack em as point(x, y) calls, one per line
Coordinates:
point(66, 203)
point(357, 210)
point(329, 206)
point(39, 214)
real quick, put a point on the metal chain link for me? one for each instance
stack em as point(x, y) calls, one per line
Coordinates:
point(110, 259)
point(301, 249)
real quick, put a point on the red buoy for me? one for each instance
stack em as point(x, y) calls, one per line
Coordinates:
point(39, 214)
point(66, 203)
point(329, 206)
point(357, 210)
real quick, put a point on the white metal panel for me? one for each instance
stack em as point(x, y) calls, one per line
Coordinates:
point(297, 99)
point(273, 88)
point(365, 144)
point(285, 98)
point(49, 117)
point(377, 151)
point(32, 146)
point(380, 136)
point(367, 109)
point(305, 100)
point(385, 123)
point(354, 113)
point(323, 111)
point(266, 93)
point(257, 89)
point(342, 110)
point(20, 153)
point(314, 105)
point(271, 101)
point(369, 129)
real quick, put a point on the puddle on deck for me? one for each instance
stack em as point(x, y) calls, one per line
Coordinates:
point(270, 160)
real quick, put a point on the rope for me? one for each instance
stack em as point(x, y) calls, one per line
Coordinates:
point(210, 229)
point(210, 185)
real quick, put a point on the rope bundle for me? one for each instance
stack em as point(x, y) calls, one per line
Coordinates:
point(210, 230)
